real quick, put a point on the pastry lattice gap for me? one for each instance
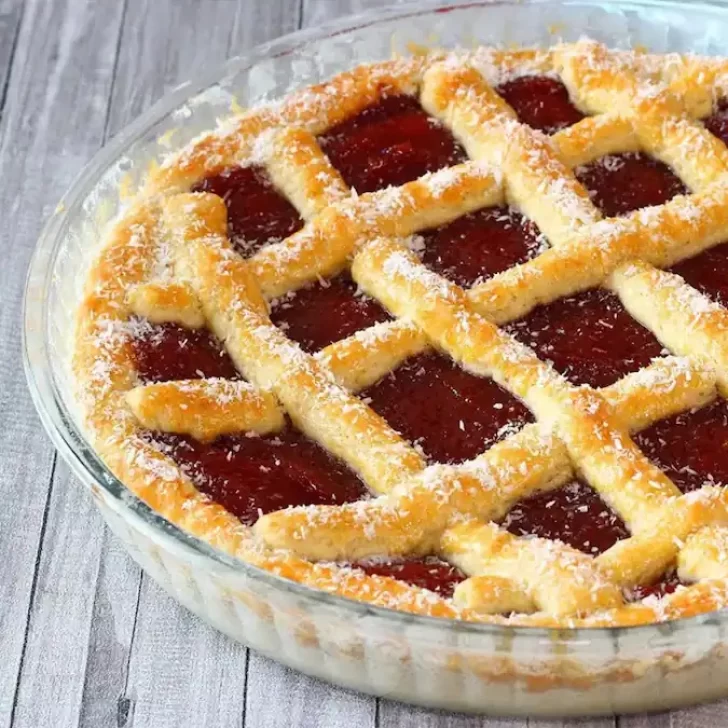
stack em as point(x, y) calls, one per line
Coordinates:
point(621, 178)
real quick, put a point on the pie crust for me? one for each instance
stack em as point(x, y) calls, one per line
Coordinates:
point(169, 260)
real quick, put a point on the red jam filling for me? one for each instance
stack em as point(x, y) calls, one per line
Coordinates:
point(480, 244)
point(454, 416)
point(326, 311)
point(429, 572)
point(541, 102)
point(621, 183)
point(707, 272)
point(590, 337)
point(717, 122)
point(574, 514)
point(251, 476)
point(257, 213)
point(389, 143)
point(666, 584)
point(691, 448)
point(165, 352)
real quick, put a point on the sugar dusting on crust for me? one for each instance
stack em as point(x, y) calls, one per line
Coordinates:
point(236, 143)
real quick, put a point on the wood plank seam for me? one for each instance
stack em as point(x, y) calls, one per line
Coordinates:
point(124, 704)
point(33, 587)
point(8, 73)
point(50, 486)
point(112, 86)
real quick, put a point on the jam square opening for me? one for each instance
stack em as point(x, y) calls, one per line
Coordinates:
point(426, 572)
point(621, 183)
point(453, 415)
point(326, 311)
point(707, 273)
point(717, 122)
point(574, 514)
point(542, 102)
point(258, 214)
point(691, 448)
point(389, 143)
point(166, 352)
point(253, 475)
point(590, 338)
point(480, 244)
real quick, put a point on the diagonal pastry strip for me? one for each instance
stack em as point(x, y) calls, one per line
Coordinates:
point(236, 313)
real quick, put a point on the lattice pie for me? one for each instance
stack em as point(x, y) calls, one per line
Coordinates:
point(445, 334)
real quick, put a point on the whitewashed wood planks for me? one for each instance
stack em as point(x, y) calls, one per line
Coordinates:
point(85, 640)
point(51, 124)
point(279, 698)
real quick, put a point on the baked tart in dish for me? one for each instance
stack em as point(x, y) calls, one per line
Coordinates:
point(445, 334)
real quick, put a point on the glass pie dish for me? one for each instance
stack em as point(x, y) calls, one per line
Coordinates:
point(447, 664)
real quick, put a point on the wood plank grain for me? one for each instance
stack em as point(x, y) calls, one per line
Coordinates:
point(316, 12)
point(700, 716)
point(111, 631)
point(181, 670)
point(399, 715)
point(50, 687)
point(166, 42)
point(11, 12)
point(281, 698)
point(50, 126)
point(572, 723)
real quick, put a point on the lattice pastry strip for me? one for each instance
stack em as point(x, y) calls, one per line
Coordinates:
point(612, 463)
point(684, 225)
point(232, 304)
point(642, 558)
point(683, 320)
point(325, 245)
point(496, 110)
point(557, 579)
point(163, 302)
point(205, 408)
point(199, 242)
point(605, 83)
point(313, 109)
point(412, 518)
point(606, 134)
point(660, 127)
point(232, 296)
point(537, 181)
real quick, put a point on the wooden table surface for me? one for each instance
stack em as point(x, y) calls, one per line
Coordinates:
point(85, 638)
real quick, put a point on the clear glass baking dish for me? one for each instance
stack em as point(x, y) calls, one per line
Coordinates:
point(454, 665)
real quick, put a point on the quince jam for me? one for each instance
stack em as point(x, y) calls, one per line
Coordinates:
point(448, 413)
point(480, 244)
point(451, 415)
point(326, 311)
point(589, 337)
point(541, 102)
point(621, 183)
point(389, 143)
point(258, 214)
